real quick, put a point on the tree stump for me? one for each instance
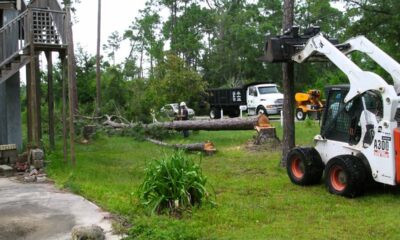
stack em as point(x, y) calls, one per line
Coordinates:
point(266, 135)
point(88, 132)
point(266, 138)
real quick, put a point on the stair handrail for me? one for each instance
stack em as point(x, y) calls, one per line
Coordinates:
point(14, 37)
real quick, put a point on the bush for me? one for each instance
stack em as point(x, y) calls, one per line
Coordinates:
point(173, 184)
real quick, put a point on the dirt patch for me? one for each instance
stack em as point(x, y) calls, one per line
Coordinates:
point(254, 171)
point(269, 145)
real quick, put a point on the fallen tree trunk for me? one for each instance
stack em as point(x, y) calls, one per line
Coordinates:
point(249, 123)
point(207, 147)
point(210, 125)
point(109, 122)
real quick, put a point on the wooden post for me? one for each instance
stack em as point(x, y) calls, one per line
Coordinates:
point(28, 98)
point(288, 89)
point(33, 118)
point(64, 76)
point(98, 73)
point(50, 99)
point(38, 97)
point(71, 76)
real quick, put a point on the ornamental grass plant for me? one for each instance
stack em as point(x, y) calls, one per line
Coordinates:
point(173, 184)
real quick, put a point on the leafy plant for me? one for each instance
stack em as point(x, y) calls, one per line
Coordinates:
point(173, 184)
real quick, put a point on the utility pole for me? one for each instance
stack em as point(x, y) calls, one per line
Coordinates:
point(98, 73)
point(288, 141)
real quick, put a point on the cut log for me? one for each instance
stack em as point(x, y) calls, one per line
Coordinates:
point(214, 125)
point(207, 147)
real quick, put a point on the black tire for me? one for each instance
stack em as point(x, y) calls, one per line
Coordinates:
point(215, 113)
point(345, 176)
point(261, 110)
point(300, 115)
point(304, 166)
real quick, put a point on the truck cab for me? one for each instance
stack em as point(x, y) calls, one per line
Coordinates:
point(264, 99)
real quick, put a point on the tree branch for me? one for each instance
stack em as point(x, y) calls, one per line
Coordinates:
point(367, 8)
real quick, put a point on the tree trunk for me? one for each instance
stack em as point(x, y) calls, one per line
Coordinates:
point(250, 123)
point(288, 89)
point(211, 125)
point(64, 76)
point(50, 99)
point(71, 77)
point(207, 147)
point(98, 73)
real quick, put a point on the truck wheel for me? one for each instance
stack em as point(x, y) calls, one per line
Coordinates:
point(300, 115)
point(345, 176)
point(215, 113)
point(234, 113)
point(261, 110)
point(304, 166)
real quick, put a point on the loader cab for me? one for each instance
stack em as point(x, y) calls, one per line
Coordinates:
point(341, 121)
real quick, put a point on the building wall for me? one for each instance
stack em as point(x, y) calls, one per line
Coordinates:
point(10, 106)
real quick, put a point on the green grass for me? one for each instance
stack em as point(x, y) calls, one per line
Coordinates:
point(255, 198)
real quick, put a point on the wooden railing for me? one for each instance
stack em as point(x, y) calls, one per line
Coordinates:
point(38, 26)
point(48, 26)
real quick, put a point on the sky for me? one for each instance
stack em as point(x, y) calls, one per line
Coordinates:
point(117, 15)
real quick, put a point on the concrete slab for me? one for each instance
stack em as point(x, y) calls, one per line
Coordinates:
point(40, 211)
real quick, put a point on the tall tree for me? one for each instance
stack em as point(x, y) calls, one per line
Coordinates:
point(98, 73)
point(378, 21)
point(288, 88)
point(144, 39)
point(113, 45)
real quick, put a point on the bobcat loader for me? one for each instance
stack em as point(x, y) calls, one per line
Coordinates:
point(360, 134)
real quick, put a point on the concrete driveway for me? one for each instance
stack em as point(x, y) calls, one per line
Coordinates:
point(40, 211)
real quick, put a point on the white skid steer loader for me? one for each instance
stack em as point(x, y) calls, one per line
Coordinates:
point(360, 135)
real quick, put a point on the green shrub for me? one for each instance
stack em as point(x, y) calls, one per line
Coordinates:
point(173, 184)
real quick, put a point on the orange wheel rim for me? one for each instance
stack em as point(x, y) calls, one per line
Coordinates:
point(297, 168)
point(338, 178)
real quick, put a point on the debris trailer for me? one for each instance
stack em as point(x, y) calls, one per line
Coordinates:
point(360, 132)
point(255, 98)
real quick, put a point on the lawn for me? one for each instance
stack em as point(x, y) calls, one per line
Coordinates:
point(255, 198)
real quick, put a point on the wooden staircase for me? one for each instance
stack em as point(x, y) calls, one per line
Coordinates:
point(8, 70)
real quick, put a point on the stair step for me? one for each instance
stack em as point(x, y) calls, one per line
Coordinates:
point(6, 171)
point(15, 65)
point(4, 72)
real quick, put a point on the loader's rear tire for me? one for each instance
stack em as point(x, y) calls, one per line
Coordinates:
point(304, 166)
point(345, 176)
point(300, 115)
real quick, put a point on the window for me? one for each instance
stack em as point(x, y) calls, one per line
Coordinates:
point(337, 120)
point(373, 103)
point(268, 90)
point(253, 91)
